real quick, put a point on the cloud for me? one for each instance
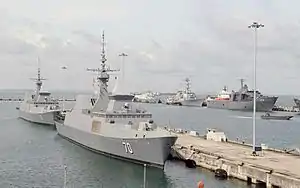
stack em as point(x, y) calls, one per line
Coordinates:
point(206, 40)
point(36, 39)
point(156, 44)
point(67, 42)
point(147, 55)
point(87, 36)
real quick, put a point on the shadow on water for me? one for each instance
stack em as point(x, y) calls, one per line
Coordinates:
point(89, 169)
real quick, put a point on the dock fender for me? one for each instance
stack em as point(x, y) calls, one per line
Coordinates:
point(190, 163)
point(221, 173)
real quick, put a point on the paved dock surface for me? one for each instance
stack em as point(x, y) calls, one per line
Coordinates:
point(286, 164)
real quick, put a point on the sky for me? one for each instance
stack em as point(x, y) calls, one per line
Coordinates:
point(166, 41)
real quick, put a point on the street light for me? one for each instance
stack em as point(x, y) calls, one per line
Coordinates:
point(120, 81)
point(123, 55)
point(254, 26)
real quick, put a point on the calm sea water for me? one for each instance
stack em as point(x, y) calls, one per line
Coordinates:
point(33, 155)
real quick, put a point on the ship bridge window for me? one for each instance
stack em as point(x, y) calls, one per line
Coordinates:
point(44, 94)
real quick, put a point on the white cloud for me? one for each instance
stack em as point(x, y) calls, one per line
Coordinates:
point(30, 37)
point(166, 41)
point(67, 42)
point(147, 55)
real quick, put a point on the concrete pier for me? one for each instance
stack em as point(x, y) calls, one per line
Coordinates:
point(274, 169)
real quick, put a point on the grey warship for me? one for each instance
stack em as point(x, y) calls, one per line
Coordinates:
point(39, 107)
point(297, 102)
point(113, 125)
point(185, 97)
point(243, 100)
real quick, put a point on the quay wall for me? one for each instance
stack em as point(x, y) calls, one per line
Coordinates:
point(252, 173)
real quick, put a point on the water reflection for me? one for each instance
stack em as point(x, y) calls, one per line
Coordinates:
point(86, 168)
point(98, 170)
point(34, 156)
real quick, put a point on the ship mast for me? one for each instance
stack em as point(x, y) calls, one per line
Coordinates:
point(242, 83)
point(188, 85)
point(102, 76)
point(38, 79)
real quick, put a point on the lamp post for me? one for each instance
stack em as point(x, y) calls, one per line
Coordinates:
point(123, 55)
point(121, 79)
point(255, 26)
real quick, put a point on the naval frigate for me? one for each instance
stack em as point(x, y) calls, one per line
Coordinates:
point(113, 125)
point(185, 97)
point(243, 100)
point(39, 107)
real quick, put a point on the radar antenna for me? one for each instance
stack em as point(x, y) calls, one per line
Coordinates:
point(242, 82)
point(188, 84)
point(103, 70)
point(38, 79)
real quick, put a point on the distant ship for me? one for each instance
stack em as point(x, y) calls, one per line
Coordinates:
point(39, 107)
point(185, 97)
point(113, 125)
point(147, 97)
point(297, 102)
point(242, 100)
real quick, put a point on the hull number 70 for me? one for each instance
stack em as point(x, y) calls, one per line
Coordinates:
point(128, 148)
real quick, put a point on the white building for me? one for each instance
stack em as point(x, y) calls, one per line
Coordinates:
point(213, 134)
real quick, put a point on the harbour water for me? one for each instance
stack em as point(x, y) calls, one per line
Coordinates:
point(33, 155)
point(235, 124)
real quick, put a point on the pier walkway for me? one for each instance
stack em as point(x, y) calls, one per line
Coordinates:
point(272, 168)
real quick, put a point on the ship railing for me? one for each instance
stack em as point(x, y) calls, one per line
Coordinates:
point(123, 115)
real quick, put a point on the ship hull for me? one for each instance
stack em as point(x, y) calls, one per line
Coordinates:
point(150, 151)
point(263, 104)
point(46, 118)
point(194, 103)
